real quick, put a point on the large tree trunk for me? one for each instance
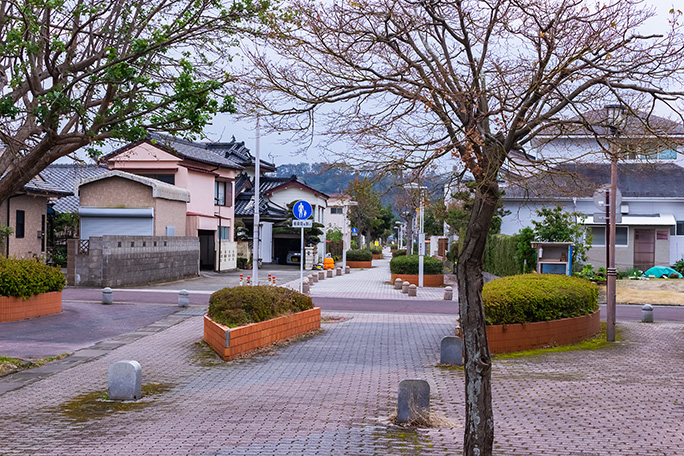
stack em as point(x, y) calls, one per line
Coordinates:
point(479, 425)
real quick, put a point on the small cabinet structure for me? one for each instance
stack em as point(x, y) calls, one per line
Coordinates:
point(554, 257)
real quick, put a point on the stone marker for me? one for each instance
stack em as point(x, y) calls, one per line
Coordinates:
point(321, 275)
point(412, 289)
point(448, 293)
point(125, 381)
point(414, 400)
point(107, 296)
point(397, 283)
point(314, 276)
point(330, 272)
point(647, 313)
point(183, 298)
point(347, 269)
point(405, 287)
point(338, 271)
point(305, 286)
point(451, 351)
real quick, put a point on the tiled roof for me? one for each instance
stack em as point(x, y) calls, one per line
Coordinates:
point(65, 177)
point(237, 152)
point(193, 150)
point(643, 180)
point(244, 207)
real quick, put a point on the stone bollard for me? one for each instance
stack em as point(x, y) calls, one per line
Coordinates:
point(329, 272)
point(347, 269)
point(647, 313)
point(413, 401)
point(183, 298)
point(107, 296)
point(397, 283)
point(305, 286)
point(451, 351)
point(448, 293)
point(405, 287)
point(125, 381)
point(412, 290)
point(314, 277)
point(338, 271)
point(321, 275)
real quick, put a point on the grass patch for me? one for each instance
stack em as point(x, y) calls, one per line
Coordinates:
point(596, 343)
point(10, 365)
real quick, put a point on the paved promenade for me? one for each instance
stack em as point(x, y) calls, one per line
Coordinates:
point(333, 394)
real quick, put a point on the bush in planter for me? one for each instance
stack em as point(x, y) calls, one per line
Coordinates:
point(23, 278)
point(239, 306)
point(408, 264)
point(529, 298)
point(359, 255)
point(398, 252)
point(376, 250)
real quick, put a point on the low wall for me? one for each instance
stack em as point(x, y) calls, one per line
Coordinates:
point(359, 264)
point(232, 342)
point(528, 336)
point(117, 261)
point(14, 309)
point(377, 256)
point(432, 280)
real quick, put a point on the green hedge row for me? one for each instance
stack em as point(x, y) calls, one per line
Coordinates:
point(529, 298)
point(500, 255)
point(398, 252)
point(408, 264)
point(239, 306)
point(359, 255)
point(376, 250)
point(23, 278)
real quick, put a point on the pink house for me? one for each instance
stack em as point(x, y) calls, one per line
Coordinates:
point(207, 172)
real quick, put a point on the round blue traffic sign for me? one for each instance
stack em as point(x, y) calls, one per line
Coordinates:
point(355, 231)
point(302, 210)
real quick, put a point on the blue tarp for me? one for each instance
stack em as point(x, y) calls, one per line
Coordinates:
point(660, 271)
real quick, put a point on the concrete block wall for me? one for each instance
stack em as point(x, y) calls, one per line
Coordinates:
point(117, 261)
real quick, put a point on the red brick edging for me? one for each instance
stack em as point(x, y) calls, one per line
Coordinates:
point(432, 280)
point(377, 256)
point(14, 309)
point(359, 264)
point(528, 336)
point(232, 342)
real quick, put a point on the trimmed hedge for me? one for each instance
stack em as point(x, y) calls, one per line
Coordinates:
point(240, 306)
point(376, 250)
point(359, 255)
point(23, 278)
point(500, 255)
point(529, 298)
point(398, 252)
point(408, 264)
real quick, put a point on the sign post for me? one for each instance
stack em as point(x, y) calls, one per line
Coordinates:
point(302, 210)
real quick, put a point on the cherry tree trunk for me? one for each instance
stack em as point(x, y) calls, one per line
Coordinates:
point(479, 422)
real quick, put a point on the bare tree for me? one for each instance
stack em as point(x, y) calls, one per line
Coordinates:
point(411, 83)
point(74, 73)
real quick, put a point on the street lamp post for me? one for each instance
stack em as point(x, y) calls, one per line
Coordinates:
point(345, 211)
point(421, 229)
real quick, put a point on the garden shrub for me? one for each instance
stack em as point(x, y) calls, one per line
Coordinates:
point(398, 252)
point(239, 306)
point(537, 297)
point(359, 255)
point(23, 278)
point(376, 250)
point(500, 255)
point(408, 264)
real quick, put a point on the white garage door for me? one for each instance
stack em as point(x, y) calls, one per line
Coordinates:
point(100, 221)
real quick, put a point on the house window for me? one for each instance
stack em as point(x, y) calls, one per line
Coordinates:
point(336, 210)
point(223, 193)
point(168, 178)
point(224, 232)
point(20, 224)
point(668, 154)
point(599, 235)
point(680, 228)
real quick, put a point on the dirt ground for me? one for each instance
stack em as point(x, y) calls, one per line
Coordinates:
point(652, 291)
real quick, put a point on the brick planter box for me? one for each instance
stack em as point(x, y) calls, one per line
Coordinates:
point(377, 256)
point(528, 336)
point(232, 342)
point(14, 309)
point(359, 264)
point(433, 280)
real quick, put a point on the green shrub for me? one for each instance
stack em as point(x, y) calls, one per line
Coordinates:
point(239, 306)
point(359, 255)
point(398, 252)
point(23, 278)
point(394, 246)
point(408, 264)
point(537, 297)
point(500, 255)
point(376, 250)
point(679, 266)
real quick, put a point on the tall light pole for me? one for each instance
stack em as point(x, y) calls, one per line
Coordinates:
point(421, 229)
point(612, 112)
point(345, 222)
point(257, 184)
